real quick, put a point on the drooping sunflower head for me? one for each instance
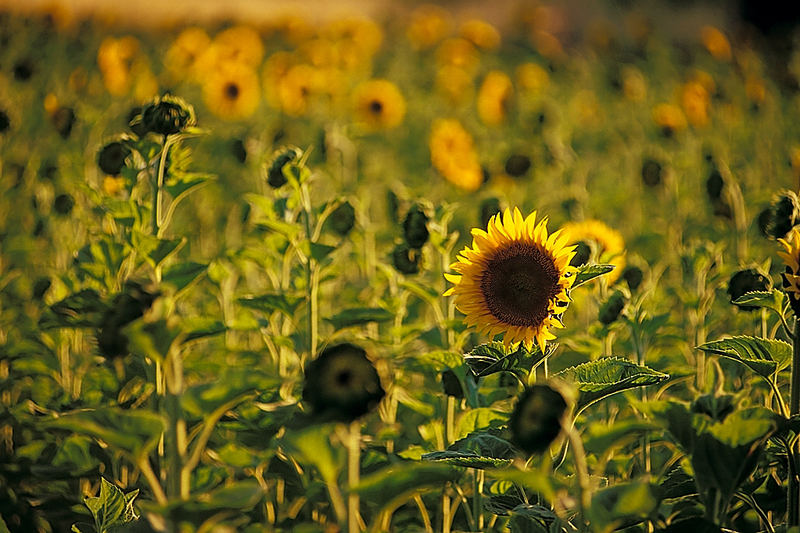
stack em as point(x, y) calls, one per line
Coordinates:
point(514, 279)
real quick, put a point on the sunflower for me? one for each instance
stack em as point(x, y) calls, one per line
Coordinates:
point(379, 105)
point(791, 258)
point(532, 78)
point(695, 102)
point(494, 98)
point(455, 84)
point(716, 43)
point(514, 279)
point(184, 52)
point(296, 89)
point(481, 34)
point(429, 24)
point(608, 243)
point(453, 154)
point(669, 117)
point(232, 91)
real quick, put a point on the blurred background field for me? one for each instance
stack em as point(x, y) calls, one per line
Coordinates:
point(660, 131)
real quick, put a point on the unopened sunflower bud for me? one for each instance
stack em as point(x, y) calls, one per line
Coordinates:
point(652, 173)
point(415, 227)
point(63, 204)
point(5, 122)
point(745, 281)
point(239, 150)
point(633, 276)
point(611, 309)
point(714, 185)
point(135, 122)
point(538, 418)
point(517, 165)
point(167, 115)
point(63, 120)
point(489, 208)
point(281, 157)
point(111, 158)
point(342, 219)
point(451, 384)
point(405, 259)
point(784, 214)
point(111, 342)
point(342, 383)
point(763, 220)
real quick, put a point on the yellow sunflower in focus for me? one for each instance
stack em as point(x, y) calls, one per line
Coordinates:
point(232, 91)
point(379, 105)
point(607, 243)
point(494, 98)
point(791, 258)
point(515, 279)
point(453, 154)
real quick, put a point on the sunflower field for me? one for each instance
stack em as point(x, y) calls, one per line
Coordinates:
point(426, 272)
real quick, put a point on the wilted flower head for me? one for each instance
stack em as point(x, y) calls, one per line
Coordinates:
point(652, 173)
point(167, 115)
point(281, 157)
point(342, 219)
point(747, 280)
point(415, 227)
point(342, 383)
point(517, 165)
point(791, 277)
point(538, 418)
point(612, 308)
point(111, 158)
point(784, 214)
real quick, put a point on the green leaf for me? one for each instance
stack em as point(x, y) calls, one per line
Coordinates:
point(479, 419)
point(398, 482)
point(82, 309)
point(108, 509)
point(188, 183)
point(535, 480)
point(476, 450)
point(587, 273)
point(151, 339)
point(241, 495)
point(599, 379)
point(762, 356)
point(312, 445)
point(133, 431)
point(164, 249)
point(320, 251)
point(358, 316)
point(181, 275)
point(493, 357)
point(203, 328)
point(622, 505)
point(772, 299)
point(465, 459)
point(600, 438)
point(527, 518)
point(267, 303)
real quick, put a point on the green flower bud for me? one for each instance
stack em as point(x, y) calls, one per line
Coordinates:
point(239, 150)
point(745, 281)
point(342, 383)
point(582, 254)
point(111, 158)
point(23, 70)
point(652, 173)
point(406, 259)
point(167, 115)
point(538, 418)
point(517, 165)
point(342, 219)
point(611, 309)
point(415, 228)
point(763, 221)
point(784, 214)
point(714, 185)
point(633, 276)
point(280, 159)
point(135, 122)
point(63, 204)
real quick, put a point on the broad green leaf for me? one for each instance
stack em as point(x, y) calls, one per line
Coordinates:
point(82, 309)
point(132, 431)
point(201, 328)
point(108, 509)
point(677, 484)
point(600, 438)
point(762, 356)
point(164, 249)
point(527, 518)
point(479, 419)
point(441, 359)
point(493, 357)
point(537, 481)
point(188, 183)
point(622, 505)
point(587, 273)
point(312, 445)
point(603, 377)
point(241, 495)
point(181, 275)
point(502, 504)
point(466, 459)
point(151, 339)
point(358, 316)
point(395, 483)
point(772, 299)
point(268, 303)
point(320, 251)
point(476, 450)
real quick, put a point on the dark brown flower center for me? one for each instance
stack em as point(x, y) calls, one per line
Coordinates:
point(518, 284)
point(376, 107)
point(232, 91)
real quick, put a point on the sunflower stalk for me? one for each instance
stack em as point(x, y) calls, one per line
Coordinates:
point(353, 473)
point(793, 503)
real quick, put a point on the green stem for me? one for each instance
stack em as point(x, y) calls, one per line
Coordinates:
point(312, 275)
point(176, 427)
point(581, 474)
point(353, 473)
point(793, 503)
point(158, 185)
point(477, 498)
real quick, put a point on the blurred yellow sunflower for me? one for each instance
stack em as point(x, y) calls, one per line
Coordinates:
point(379, 105)
point(455, 84)
point(241, 44)
point(481, 34)
point(532, 78)
point(453, 154)
point(695, 102)
point(494, 98)
point(514, 280)
point(359, 36)
point(429, 24)
point(791, 258)
point(716, 43)
point(755, 89)
point(116, 58)
point(608, 244)
point(634, 86)
point(457, 52)
point(669, 118)
point(296, 88)
point(184, 52)
point(232, 91)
